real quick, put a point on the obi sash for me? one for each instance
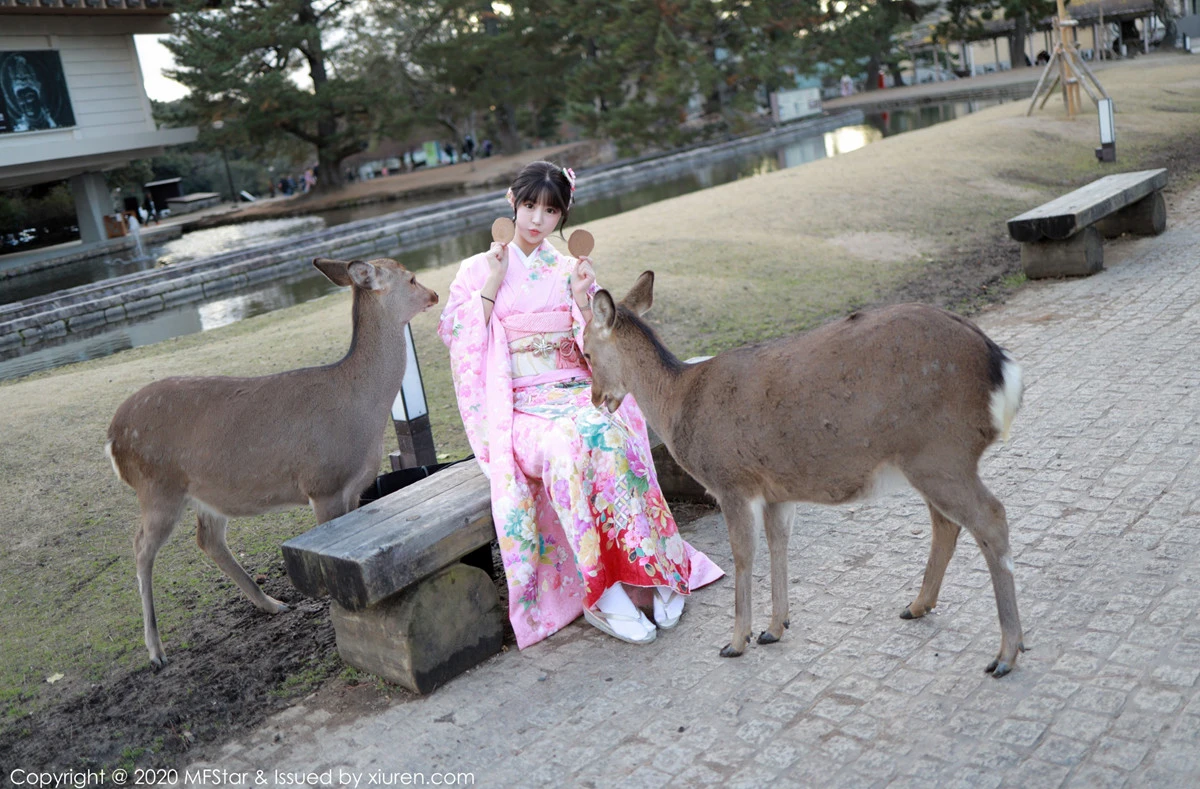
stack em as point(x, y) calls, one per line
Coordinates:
point(541, 343)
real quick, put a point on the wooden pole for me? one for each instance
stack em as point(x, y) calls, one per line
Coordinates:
point(1102, 47)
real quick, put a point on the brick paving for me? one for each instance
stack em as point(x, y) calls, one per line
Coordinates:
point(1102, 485)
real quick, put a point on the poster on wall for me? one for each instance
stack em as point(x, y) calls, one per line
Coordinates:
point(34, 92)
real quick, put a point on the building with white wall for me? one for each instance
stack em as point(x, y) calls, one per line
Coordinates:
point(72, 99)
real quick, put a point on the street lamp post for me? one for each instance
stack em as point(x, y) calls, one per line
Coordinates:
point(410, 415)
point(218, 125)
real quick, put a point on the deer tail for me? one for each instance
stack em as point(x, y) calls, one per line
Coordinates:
point(1006, 394)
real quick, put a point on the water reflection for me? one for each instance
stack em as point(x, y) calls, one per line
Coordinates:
point(71, 275)
point(192, 246)
point(273, 296)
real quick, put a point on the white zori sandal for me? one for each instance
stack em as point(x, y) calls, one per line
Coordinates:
point(633, 629)
point(668, 607)
point(616, 615)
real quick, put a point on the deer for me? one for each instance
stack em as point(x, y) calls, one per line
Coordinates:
point(901, 393)
point(234, 447)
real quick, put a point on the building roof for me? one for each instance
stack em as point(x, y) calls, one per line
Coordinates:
point(86, 7)
point(1086, 12)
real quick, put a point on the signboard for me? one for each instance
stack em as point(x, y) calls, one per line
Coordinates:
point(431, 154)
point(34, 92)
point(788, 105)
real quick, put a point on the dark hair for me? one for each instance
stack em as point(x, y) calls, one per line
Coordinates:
point(545, 183)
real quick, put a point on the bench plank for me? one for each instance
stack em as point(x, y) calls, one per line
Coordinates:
point(414, 497)
point(368, 555)
point(1062, 218)
point(359, 561)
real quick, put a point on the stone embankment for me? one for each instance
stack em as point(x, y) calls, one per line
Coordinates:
point(96, 307)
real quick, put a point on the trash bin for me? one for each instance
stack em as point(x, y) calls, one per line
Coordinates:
point(393, 481)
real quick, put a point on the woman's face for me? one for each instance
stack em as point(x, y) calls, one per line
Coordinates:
point(535, 221)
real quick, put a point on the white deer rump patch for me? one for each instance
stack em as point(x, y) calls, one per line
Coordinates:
point(116, 469)
point(1007, 398)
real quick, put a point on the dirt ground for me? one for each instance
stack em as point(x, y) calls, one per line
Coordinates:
point(935, 199)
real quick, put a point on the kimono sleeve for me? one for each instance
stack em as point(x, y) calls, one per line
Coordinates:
point(465, 333)
point(577, 320)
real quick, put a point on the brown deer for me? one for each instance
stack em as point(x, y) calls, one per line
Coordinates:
point(245, 446)
point(827, 417)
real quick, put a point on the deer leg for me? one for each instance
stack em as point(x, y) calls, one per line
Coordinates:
point(333, 507)
point(777, 523)
point(972, 506)
point(742, 519)
point(945, 538)
point(158, 520)
point(210, 536)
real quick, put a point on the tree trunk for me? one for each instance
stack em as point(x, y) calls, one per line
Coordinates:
point(506, 125)
point(1016, 42)
point(1167, 15)
point(872, 80)
point(329, 170)
point(329, 163)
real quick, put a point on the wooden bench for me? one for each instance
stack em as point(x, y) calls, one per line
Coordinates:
point(412, 597)
point(1064, 237)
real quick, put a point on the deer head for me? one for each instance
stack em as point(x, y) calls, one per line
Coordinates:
point(386, 279)
point(610, 382)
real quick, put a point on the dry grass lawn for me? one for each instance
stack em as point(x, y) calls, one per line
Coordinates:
point(757, 258)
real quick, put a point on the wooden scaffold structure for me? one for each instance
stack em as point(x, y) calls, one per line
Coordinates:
point(1069, 69)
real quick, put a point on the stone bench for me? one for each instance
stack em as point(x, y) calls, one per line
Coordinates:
point(412, 597)
point(192, 202)
point(1064, 237)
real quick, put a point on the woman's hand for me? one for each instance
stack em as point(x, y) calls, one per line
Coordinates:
point(581, 282)
point(497, 260)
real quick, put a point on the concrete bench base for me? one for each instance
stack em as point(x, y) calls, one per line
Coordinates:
point(1080, 255)
point(1146, 217)
point(427, 634)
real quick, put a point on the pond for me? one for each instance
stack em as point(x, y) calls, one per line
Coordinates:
point(264, 297)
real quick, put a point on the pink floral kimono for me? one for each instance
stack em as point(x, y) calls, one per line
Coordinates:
point(575, 498)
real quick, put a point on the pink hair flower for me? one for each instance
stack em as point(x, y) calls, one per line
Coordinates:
point(569, 174)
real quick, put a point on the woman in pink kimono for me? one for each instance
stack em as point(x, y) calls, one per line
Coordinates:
point(575, 499)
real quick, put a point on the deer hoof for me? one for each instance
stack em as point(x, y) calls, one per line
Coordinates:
point(158, 663)
point(998, 668)
point(766, 637)
point(909, 613)
point(729, 651)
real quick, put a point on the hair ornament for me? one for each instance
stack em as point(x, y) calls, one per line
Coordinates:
point(569, 174)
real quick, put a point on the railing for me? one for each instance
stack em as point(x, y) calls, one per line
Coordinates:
point(88, 7)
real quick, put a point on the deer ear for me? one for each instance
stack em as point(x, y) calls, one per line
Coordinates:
point(604, 312)
point(365, 275)
point(335, 270)
point(640, 297)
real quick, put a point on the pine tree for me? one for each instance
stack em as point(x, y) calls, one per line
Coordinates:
point(649, 72)
point(281, 67)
